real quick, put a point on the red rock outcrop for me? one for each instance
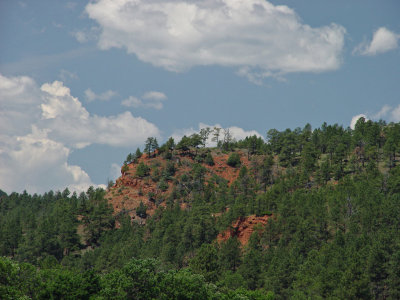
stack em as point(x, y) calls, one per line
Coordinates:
point(129, 190)
point(243, 228)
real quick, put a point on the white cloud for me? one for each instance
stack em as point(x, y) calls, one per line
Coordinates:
point(132, 101)
point(383, 112)
point(255, 34)
point(382, 41)
point(154, 95)
point(72, 123)
point(152, 99)
point(86, 35)
point(107, 95)
point(395, 114)
point(355, 119)
point(66, 75)
point(387, 113)
point(19, 105)
point(115, 171)
point(40, 126)
point(81, 36)
point(236, 132)
point(239, 133)
point(37, 164)
point(258, 77)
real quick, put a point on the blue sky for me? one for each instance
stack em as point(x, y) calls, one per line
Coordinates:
point(84, 83)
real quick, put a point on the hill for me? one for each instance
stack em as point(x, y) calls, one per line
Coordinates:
point(305, 214)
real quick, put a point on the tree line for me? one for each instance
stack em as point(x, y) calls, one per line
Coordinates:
point(334, 197)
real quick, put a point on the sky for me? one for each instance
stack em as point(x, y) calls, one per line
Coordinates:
point(84, 83)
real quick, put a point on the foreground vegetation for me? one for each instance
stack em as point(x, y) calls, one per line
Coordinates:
point(334, 195)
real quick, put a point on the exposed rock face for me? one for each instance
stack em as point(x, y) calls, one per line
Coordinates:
point(243, 228)
point(129, 189)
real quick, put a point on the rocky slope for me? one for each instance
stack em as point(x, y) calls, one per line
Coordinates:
point(243, 228)
point(130, 189)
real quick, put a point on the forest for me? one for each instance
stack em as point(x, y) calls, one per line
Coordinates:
point(330, 195)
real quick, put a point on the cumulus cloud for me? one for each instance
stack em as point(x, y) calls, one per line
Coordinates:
point(71, 122)
point(66, 75)
point(152, 99)
point(387, 112)
point(253, 34)
point(115, 171)
point(154, 95)
point(92, 96)
point(355, 119)
point(39, 126)
point(36, 163)
point(132, 101)
point(383, 112)
point(236, 132)
point(382, 41)
point(19, 104)
point(395, 114)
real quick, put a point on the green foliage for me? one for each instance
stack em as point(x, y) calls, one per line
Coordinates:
point(151, 145)
point(24, 281)
point(184, 145)
point(204, 134)
point(230, 255)
point(170, 144)
point(332, 195)
point(142, 170)
point(129, 159)
point(163, 185)
point(138, 153)
point(169, 170)
point(206, 262)
point(137, 278)
point(209, 159)
point(141, 211)
point(234, 160)
point(96, 215)
point(124, 168)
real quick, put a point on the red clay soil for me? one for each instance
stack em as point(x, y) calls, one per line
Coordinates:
point(129, 191)
point(222, 169)
point(243, 228)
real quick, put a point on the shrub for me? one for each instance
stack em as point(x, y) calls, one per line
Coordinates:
point(198, 159)
point(163, 185)
point(209, 160)
point(234, 160)
point(169, 169)
point(138, 153)
point(141, 210)
point(142, 170)
point(156, 174)
point(151, 196)
point(167, 155)
point(124, 168)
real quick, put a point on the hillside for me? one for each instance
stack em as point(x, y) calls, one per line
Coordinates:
point(156, 187)
point(307, 214)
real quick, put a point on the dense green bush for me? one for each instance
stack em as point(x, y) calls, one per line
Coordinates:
point(234, 160)
point(209, 159)
point(142, 170)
